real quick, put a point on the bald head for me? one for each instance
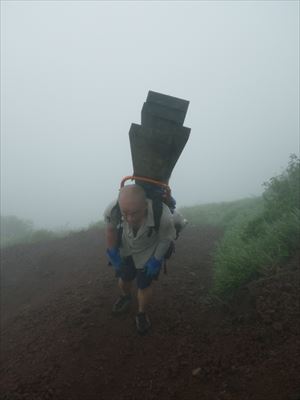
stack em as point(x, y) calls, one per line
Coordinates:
point(132, 192)
point(133, 204)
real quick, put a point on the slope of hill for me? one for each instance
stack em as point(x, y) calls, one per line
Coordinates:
point(60, 341)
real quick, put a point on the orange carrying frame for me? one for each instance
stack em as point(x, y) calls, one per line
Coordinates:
point(147, 180)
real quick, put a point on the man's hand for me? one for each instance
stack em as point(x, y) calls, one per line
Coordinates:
point(114, 257)
point(152, 267)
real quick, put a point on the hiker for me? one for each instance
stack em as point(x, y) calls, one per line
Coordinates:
point(139, 252)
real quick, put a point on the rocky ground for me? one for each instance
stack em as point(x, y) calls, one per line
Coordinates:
point(60, 341)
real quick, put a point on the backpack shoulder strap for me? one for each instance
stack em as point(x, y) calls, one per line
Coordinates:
point(117, 216)
point(157, 207)
point(116, 213)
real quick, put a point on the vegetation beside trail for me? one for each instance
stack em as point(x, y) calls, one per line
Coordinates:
point(15, 230)
point(224, 215)
point(260, 235)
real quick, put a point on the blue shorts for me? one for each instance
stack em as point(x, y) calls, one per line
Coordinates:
point(129, 272)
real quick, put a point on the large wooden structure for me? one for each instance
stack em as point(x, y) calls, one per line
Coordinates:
point(157, 143)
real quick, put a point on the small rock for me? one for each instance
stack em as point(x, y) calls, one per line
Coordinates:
point(227, 331)
point(267, 318)
point(85, 310)
point(295, 396)
point(277, 326)
point(288, 287)
point(75, 347)
point(196, 371)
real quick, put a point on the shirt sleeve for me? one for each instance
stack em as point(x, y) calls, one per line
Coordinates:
point(109, 217)
point(166, 233)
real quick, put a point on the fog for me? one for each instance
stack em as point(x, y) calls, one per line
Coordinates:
point(74, 76)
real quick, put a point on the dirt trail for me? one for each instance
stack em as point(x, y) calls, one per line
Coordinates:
point(60, 341)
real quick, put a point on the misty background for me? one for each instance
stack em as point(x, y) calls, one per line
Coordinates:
point(74, 76)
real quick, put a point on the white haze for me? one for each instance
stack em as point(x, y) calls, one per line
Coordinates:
point(74, 76)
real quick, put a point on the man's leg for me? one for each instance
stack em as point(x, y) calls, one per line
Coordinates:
point(126, 275)
point(125, 287)
point(144, 297)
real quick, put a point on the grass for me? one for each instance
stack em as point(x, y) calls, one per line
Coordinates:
point(260, 234)
point(33, 236)
point(225, 214)
point(240, 258)
point(15, 231)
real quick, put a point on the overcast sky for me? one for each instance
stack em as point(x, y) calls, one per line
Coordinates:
point(75, 74)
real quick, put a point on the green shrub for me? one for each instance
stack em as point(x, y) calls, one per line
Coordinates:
point(14, 230)
point(225, 214)
point(261, 245)
point(96, 225)
point(283, 192)
point(238, 260)
point(43, 235)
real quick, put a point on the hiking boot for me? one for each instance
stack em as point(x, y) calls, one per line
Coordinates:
point(122, 304)
point(143, 323)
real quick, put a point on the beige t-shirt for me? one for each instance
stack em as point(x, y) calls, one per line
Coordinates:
point(147, 242)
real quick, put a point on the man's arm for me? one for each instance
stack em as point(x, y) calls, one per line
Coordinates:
point(111, 223)
point(111, 236)
point(167, 233)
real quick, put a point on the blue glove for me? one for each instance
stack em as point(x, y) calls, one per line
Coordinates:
point(152, 267)
point(114, 257)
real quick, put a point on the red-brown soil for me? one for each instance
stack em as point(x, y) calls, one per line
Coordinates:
point(60, 341)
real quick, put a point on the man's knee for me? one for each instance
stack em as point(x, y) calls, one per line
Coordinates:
point(143, 280)
point(127, 271)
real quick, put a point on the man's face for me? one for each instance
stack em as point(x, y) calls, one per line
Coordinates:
point(133, 211)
